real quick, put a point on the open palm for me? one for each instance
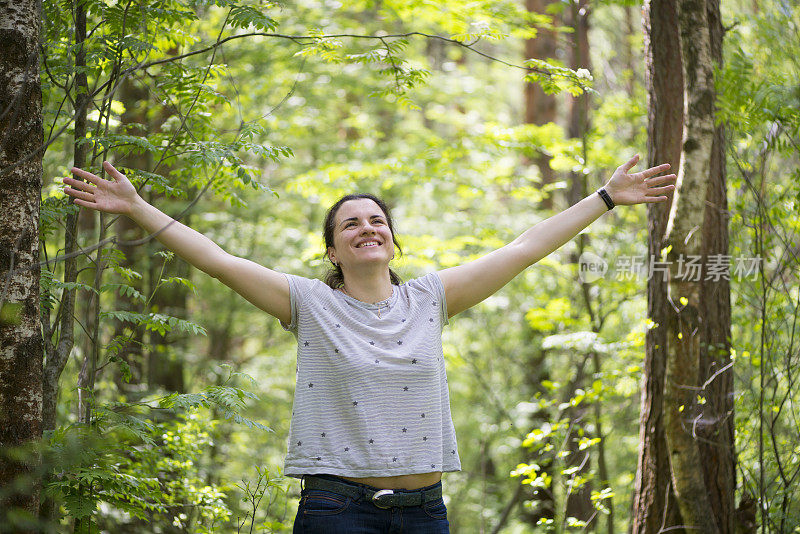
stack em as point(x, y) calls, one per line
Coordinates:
point(99, 194)
point(639, 187)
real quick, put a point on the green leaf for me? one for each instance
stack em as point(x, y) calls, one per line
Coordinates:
point(246, 16)
point(79, 506)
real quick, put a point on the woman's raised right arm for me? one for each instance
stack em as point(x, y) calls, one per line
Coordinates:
point(265, 288)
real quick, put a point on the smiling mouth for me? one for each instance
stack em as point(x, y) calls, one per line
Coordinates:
point(368, 244)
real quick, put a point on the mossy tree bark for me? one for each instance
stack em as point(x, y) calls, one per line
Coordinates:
point(21, 347)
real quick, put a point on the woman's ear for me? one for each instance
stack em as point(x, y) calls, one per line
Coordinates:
point(332, 255)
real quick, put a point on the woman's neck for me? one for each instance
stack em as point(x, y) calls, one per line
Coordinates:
point(369, 289)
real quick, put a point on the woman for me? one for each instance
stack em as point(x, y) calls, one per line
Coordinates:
point(371, 431)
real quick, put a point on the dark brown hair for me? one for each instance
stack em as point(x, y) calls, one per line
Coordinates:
point(334, 277)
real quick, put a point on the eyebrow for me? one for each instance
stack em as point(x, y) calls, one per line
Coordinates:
point(356, 219)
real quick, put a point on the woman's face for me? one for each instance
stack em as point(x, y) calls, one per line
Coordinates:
point(361, 235)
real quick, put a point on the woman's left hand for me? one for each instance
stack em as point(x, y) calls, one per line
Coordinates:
point(639, 187)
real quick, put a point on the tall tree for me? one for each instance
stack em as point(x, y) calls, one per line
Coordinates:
point(652, 499)
point(693, 315)
point(540, 107)
point(132, 122)
point(21, 135)
point(579, 504)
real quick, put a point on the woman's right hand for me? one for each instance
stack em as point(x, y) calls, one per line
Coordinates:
point(98, 194)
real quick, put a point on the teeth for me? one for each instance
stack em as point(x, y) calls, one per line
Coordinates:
point(368, 244)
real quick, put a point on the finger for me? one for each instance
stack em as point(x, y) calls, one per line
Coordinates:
point(79, 184)
point(652, 171)
point(647, 200)
point(79, 194)
point(659, 180)
point(628, 165)
point(661, 190)
point(86, 175)
point(114, 173)
point(85, 204)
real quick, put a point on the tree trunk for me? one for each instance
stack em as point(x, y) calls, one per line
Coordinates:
point(58, 353)
point(542, 502)
point(693, 338)
point(579, 504)
point(700, 434)
point(717, 448)
point(540, 108)
point(654, 504)
point(133, 122)
point(21, 347)
point(165, 363)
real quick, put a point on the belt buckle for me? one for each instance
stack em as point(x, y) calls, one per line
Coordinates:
point(378, 494)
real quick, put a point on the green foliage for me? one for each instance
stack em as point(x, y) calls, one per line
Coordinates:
point(150, 471)
point(555, 79)
point(432, 126)
point(149, 467)
point(759, 107)
point(248, 16)
point(564, 441)
point(253, 492)
point(230, 400)
point(155, 322)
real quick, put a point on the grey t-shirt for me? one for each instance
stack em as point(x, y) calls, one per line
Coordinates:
point(371, 397)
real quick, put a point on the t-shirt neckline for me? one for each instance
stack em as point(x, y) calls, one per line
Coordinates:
point(380, 305)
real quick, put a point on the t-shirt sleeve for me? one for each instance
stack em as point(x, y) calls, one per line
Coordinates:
point(439, 288)
point(432, 284)
point(299, 288)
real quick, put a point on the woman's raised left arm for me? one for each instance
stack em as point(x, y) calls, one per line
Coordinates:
point(468, 284)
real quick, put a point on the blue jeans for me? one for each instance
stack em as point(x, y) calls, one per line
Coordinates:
point(326, 512)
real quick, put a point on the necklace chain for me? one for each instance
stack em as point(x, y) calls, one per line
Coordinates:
point(346, 292)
